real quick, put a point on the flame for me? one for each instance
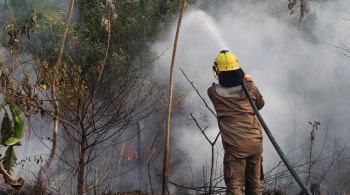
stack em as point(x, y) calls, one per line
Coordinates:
point(130, 153)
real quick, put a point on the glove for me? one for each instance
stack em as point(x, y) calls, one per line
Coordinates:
point(248, 77)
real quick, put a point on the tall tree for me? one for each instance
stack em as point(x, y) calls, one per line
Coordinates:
point(55, 101)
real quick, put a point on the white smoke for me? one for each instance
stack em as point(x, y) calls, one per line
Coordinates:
point(301, 76)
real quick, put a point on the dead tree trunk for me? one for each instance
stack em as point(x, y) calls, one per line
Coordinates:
point(139, 156)
point(81, 165)
point(316, 189)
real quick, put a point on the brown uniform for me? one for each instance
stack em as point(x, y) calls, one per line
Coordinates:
point(241, 136)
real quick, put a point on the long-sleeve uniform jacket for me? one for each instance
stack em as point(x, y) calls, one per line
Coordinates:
point(240, 130)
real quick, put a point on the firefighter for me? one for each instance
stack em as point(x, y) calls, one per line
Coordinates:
point(240, 130)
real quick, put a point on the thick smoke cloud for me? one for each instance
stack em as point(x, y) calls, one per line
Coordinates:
point(301, 76)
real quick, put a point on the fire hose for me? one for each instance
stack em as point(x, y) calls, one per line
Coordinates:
point(273, 141)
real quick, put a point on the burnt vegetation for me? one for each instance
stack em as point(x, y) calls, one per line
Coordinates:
point(75, 83)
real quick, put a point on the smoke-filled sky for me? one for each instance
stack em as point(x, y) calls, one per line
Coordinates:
point(300, 75)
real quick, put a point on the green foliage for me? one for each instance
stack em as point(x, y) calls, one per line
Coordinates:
point(18, 122)
point(9, 160)
point(24, 29)
point(6, 128)
point(44, 43)
point(133, 25)
point(18, 8)
point(10, 136)
point(23, 16)
point(11, 141)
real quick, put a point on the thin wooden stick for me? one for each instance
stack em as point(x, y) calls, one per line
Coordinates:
point(165, 179)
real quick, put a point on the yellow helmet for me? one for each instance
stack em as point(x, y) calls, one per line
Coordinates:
point(226, 61)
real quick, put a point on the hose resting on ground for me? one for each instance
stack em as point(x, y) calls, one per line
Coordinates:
point(273, 141)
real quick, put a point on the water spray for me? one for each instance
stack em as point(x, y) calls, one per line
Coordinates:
point(208, 23)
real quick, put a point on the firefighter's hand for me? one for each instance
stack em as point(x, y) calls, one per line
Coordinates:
point(248, 77)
